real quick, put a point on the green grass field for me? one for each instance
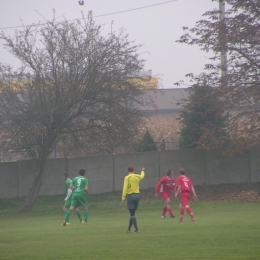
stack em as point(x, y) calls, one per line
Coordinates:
point(223, 230)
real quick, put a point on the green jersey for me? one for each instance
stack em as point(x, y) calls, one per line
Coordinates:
point(67, 185)
point(68, 193)
point(79, 184)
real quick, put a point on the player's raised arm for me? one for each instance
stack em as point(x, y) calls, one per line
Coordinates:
point(142, 173)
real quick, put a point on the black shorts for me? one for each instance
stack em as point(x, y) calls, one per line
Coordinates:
point(133, 200)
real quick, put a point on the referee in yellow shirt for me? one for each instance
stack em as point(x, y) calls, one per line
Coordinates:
point(132, 194)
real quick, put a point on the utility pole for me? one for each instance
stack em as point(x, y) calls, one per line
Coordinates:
point(222, 39)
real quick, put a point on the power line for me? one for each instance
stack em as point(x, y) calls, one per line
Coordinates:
point(119, 12)
point(134, 9)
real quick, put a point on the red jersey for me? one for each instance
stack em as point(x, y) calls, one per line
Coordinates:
point(165, 184)
point(185, 183)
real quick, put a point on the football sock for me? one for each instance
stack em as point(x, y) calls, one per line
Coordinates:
point(130, 223)
point(134, 221)
point(170, 211)
point(181, 214)
point(85, 215)
point(68, 215)
point(79, 215)
point(190, 212)
point(164, 211)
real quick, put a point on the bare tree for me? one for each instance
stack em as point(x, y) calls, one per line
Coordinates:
point(238, 35)
point(73, 87)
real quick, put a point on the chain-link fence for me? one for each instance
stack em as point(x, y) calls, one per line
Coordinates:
point(60, 152)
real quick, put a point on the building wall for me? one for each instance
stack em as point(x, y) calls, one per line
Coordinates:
point(163, 127)
point(106, 173)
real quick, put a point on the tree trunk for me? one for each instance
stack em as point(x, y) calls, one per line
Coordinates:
point(37, 183)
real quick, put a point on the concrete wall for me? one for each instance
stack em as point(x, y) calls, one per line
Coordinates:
point(254, 165)
point(106, 173)
point(222, 169)
point(9, 180)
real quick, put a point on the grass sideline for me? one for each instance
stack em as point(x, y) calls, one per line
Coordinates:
point(223, 230)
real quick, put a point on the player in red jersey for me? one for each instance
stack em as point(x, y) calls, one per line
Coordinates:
point(185, 187)
point(164, 185)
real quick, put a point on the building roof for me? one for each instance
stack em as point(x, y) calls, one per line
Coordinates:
point(164, 100)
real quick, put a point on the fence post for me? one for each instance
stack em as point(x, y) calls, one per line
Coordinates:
point(20, 180)
point(249, 166)
point(205, 162)
point(159, 164)
point(113, 166)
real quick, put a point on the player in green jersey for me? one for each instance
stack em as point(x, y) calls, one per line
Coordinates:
point(132, 194)
point(79, 186)
point(67, 200)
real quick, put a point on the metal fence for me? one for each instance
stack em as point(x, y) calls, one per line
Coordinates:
point(58, 152)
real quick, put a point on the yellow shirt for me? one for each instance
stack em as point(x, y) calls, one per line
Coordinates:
point(131, 183)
